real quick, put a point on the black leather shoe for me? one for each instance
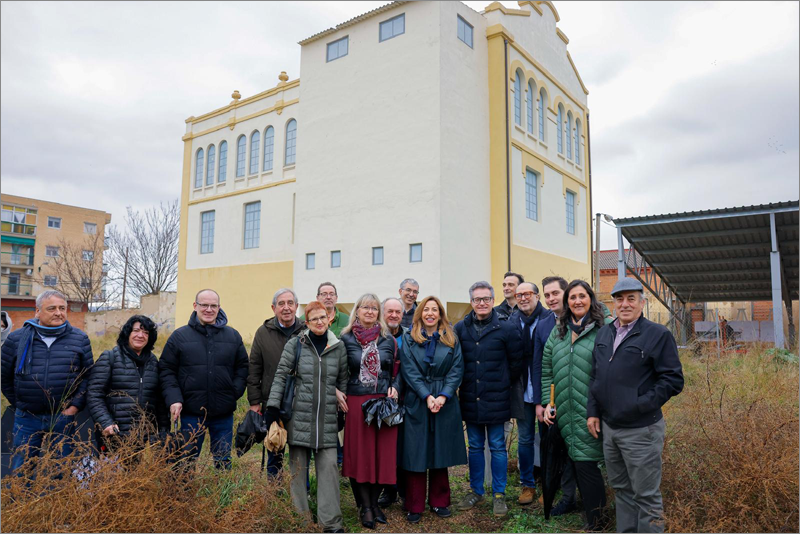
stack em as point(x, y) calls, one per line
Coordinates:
point(413, 518)
point(380, 517)
point(563, 507)
point(444, 511)
point(387, 498)
point(367, 523)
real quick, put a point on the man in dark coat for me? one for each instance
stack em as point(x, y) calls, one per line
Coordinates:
point(492, 351)
point(635, 371)
point(265, 354)
point(44, 369)
point(510, 282)
point(203, 372)
point(535, 324)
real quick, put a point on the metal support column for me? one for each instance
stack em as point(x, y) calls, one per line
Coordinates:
point(620, 256)
point(777, 298)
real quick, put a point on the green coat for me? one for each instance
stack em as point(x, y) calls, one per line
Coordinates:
point(431, 441)
point(314, 418)
point(569, 366)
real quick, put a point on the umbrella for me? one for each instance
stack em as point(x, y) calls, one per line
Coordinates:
point(251, 430)
point(553, 455)
point(383, 410)
point(276, 439)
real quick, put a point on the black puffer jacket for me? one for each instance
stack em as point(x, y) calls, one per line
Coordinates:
point(204, 367)
point(490, 360)
point(58, 374)
point(386, 347)
point(119, 394)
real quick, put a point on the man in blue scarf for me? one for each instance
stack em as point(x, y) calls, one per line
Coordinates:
point(44, 365)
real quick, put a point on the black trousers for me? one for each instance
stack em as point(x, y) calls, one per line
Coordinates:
point(593, 491)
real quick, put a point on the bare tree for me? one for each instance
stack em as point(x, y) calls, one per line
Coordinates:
point(79, 270)
point(145, 253)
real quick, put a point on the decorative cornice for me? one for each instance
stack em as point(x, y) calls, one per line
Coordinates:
point(239, 103)
point(498, 30)
point(241, 191)
point(279, 106)
point(497, 6)
point(562, 36)
point(569, 57)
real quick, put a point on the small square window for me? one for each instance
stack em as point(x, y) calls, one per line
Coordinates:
point(415, 253)
point(311, 261)
point(51, 252)
point(377, 255)
point(338, 48)
point(86, 283)
point(89, 228)
point(393, 27)
point(336, 259)
point(50, 281)
point(54, 222)
point(88, 255)
point(465, 31)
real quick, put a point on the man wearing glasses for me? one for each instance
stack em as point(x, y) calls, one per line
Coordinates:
point(409, 291)
point(203, 372)
point(328, 297)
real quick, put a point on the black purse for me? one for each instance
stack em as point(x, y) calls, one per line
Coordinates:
point(291, 386)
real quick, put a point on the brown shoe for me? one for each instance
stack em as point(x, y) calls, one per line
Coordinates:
point(527, 495)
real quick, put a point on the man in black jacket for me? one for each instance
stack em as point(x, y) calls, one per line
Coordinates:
point(635, 370)
point(203, 372)
point(44, 369)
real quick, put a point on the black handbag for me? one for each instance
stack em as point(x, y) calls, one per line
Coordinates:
point(289, 390)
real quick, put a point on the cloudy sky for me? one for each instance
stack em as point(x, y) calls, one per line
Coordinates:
point(694, 105)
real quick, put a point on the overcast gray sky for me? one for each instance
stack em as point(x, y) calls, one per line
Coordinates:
point(694, 105)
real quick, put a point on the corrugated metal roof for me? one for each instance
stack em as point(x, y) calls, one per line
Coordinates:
point(721, 254)
point(345, 24)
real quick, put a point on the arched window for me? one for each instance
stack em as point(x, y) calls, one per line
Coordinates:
point(255, 144)
point(531, 105)
point(210, 167)
point(291, 142)
point(569, 135)
point(577, 141)
point(269, 147)
point(560, 134)
point(542, 107)
point(223, 162)
point(518, 99)
point(198, 171)
point(241, 151)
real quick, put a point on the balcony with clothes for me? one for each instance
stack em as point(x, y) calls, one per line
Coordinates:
point(18, 221)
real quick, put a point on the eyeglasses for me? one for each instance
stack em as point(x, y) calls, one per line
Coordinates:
point(207, 306)
point(372, 309)
point(326, 295)
point(484, 300)
point(525, 296)
point(321, 319)
point(140, 331)
point(411, 291)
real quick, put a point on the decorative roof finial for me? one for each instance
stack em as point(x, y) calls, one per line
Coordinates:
point(236, 95)
point(283, 77)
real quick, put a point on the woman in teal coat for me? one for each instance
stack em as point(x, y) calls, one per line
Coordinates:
point(433, 435)
point(567, 363)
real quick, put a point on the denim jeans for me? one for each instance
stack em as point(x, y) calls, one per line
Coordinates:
point(476, 434)
point(525, 445)
point(29, 431)
point(221, 431)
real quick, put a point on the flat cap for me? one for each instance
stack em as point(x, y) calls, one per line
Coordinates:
point(627, 284)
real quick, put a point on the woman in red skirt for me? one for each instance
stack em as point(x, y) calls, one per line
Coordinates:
point(370, 455)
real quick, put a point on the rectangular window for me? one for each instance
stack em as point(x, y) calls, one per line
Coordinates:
point(377, 255)
point(531, 195)
point(13, 284)
point(415, 253)
point(570, 212)
point(207, 232)
point(86, 283)
point(252, 224)
point(50, 281)
point(336, 259)
point(89, 228)
point(311, 261)
point(223, 162)
point(51, 252)
point(393, 27)
point(465, 31)
point(88, 255)
point(338, 48)
point(54, 222)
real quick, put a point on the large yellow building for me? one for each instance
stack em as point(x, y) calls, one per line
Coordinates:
point(426, 140)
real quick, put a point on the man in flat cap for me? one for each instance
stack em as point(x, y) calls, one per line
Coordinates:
point(635, 370)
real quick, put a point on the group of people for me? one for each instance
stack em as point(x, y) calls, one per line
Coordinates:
point(496, 364)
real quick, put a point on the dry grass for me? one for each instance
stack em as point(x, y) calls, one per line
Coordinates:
point(731, 454)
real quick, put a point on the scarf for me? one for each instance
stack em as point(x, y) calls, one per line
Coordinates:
point(581, 326)
point(480, 324)
point(527, 335)
point(30, 328)
point(370, 357)
point(430, 344)
point(138, 359)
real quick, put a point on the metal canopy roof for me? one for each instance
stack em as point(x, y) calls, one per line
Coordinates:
point(719, 255)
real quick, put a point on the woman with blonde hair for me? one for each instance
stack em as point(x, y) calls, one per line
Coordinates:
point(370, 454)
point(433, 436)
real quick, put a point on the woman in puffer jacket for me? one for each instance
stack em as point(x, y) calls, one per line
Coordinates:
point(124, 391)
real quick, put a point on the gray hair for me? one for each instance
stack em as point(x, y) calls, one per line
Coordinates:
point(363, 299)
point(409, 281)
point(383, 304)
point(281, 291)
point(480, 285)
point(50, 293)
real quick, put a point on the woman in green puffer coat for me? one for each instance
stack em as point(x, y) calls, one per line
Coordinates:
point(567, 363)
